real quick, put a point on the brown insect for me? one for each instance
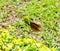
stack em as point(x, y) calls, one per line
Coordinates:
point(35, 26)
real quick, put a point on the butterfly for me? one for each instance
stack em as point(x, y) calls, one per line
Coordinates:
point(35, 26)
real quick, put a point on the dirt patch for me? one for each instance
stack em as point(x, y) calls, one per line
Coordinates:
point(10, 20)
point(58, 21)
point(27, 0)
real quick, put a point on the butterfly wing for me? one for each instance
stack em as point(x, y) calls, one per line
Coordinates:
point(35, 26)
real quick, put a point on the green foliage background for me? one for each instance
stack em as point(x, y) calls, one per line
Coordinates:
point(46, 11)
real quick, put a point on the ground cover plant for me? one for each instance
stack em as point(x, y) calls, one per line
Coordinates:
point(12, 43)
point(16, 15)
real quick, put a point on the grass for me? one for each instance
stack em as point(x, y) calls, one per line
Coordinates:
point(46, 13)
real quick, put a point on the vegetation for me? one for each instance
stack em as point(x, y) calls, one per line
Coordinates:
point(15, 17)
point(12, 43)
